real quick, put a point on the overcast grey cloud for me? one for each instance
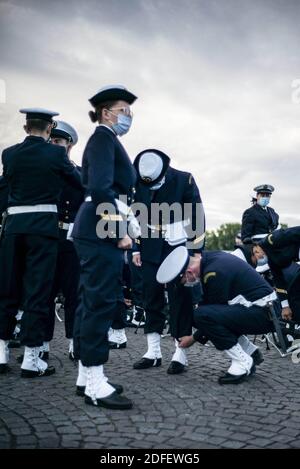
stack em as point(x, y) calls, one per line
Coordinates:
point(214, 80)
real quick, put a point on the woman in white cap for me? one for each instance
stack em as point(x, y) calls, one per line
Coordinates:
point(107, 174)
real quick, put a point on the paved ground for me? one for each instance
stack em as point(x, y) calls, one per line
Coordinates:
point(184, 411)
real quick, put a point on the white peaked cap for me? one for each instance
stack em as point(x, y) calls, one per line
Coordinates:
point(173, 265)
point(150, 166)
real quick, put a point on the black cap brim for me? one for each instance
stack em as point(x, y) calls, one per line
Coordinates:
point(61, 134)
point(113, 94)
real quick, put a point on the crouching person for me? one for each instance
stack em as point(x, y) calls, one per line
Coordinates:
point(235, 302)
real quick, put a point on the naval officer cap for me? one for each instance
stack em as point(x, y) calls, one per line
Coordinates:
point(174, 265)
point(264, 188)
point(151, 165)
point(65, 130)
point(39, 113)
point(112, 93)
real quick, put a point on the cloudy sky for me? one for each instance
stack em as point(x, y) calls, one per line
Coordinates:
point(218, 83)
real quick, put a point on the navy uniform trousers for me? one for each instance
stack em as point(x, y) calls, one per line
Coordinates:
point(223, 324)
point(180, 299)
point(136, 282)
point(66, 280)
point(120, 316)
point(132, 283)
point(29, 263)
point(100, 289)
point(294, 297)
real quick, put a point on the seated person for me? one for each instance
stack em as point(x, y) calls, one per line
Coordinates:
point(236, 301)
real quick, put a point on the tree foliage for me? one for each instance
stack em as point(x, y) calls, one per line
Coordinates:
point(223, 238)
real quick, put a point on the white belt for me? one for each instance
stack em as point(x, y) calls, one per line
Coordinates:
point(262, 302)
point(32, 209)
point(157, 227)
point(175, 226)
point(88, 199)
point(259, 236)
point(63, 226)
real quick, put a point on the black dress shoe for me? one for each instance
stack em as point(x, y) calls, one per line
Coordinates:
point(227, 378)
point(175, 368)
point(37, 374)
point(80, 391)
point(4, 368)
point(113, 401)
point(115, 345)
point(20, 358)
point(118, 388)
point(257, 357)
point(72, 357)
point(146, 363)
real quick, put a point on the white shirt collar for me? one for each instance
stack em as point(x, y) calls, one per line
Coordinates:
point(158, 184)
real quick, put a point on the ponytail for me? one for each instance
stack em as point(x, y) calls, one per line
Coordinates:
point(93, 116)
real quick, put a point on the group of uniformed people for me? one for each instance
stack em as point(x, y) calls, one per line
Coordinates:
point(65, 229)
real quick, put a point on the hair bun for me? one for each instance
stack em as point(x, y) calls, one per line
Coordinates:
point(93, 116)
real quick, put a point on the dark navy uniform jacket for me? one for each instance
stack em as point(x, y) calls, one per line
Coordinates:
point(69, 203)
point(107, 172)
point(225, 276)
point(282, 248)
point(35, 171)
point(179, 187)
point(283, 238)
point(3, 196)
point(257, 220)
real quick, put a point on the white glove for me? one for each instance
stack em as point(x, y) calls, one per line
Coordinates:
point(69, 234)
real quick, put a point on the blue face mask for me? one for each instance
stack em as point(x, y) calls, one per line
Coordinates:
point(264, 201)
point(262, 261)
point(123, 124)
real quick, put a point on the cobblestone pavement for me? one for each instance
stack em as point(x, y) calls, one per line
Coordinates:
point(183, 411)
